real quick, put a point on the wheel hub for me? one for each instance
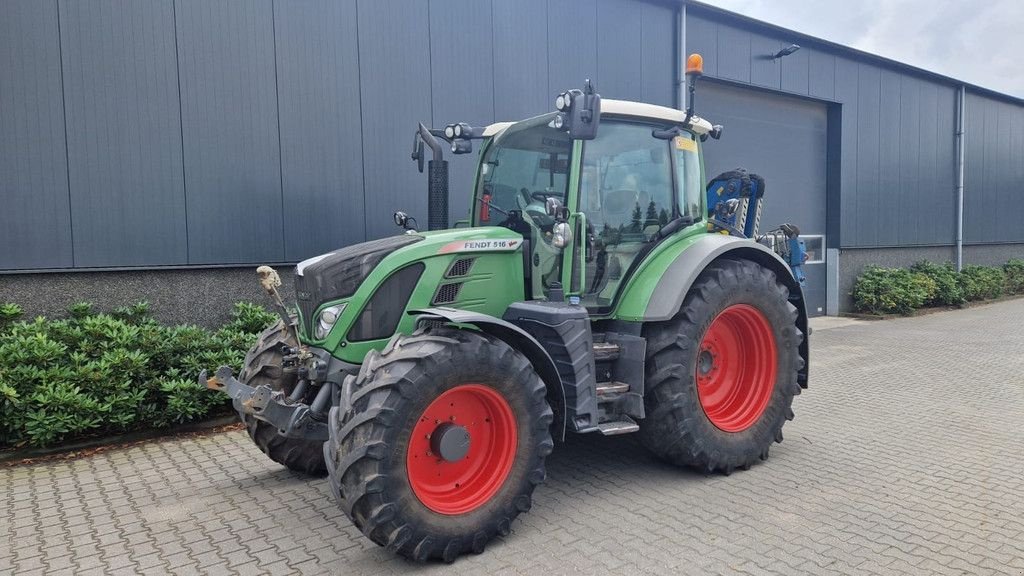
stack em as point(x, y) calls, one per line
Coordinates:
point(450, 442)
point(705, 362)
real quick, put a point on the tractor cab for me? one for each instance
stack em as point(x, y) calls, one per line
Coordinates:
point(591, 209)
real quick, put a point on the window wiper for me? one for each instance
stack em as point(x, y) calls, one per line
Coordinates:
point(673, 226)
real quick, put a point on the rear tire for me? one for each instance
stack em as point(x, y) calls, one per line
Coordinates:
point(722, 374)
point(398, 487)
point(263, 367)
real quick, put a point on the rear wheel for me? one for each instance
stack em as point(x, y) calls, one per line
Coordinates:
point(263, 367)
point(441, 443)
point(722, 374)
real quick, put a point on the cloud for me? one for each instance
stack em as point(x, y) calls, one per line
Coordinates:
point(977, 42)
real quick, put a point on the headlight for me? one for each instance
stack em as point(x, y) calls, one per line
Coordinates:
point(325, 321)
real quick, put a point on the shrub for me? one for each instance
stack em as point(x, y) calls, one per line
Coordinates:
point(892, 290)
point(982, 282)
point(93, 373)
point(948, 291)
point(1014, 270)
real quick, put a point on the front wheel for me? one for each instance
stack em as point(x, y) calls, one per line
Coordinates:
point(441, 444)
point(722, 374)
point(262, 366)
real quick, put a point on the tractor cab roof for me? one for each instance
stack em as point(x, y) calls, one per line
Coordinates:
point(638, 110)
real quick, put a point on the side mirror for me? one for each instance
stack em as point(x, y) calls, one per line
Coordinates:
point(579, 112)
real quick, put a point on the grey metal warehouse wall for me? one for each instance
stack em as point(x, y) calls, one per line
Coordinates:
point(212, 132)
point(895, 130)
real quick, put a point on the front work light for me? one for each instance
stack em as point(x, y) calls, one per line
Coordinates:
point(326, 320)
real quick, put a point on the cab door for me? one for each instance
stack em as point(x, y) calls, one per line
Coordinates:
point(623, 194)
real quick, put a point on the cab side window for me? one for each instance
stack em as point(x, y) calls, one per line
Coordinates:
point(626, 194)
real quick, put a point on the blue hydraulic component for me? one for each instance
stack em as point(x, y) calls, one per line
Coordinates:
point(747, 190)
point(797, 256)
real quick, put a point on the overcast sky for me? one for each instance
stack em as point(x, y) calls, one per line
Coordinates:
point(978, 41)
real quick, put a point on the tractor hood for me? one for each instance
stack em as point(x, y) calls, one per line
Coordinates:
point(341, 274)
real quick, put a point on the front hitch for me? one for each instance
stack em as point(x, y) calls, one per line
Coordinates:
point(292, 420)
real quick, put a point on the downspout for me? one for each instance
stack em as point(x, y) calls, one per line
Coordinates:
point(681, 60)
point(960, 150)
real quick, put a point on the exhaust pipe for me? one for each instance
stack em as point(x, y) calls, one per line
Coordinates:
point(437, 179)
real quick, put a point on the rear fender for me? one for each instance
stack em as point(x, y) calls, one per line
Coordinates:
point(675, 283)
point(519, 340)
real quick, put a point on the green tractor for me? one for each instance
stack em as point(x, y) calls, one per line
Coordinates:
point(429, 374)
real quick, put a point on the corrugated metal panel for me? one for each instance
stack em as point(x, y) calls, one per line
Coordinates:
point(620, 49)
point(572, 49)
point(35, 222)
point(821, 69)
point(733, 49)
point(764, 70)
point(520, 37)
point(124, 133)
point(321, 144)
point(702, 38)
point(462, 80)
point(230, 128)
point(887, 222)
point(869, 104)
point(933, 172)
point(846, 92)
point(908, 198)
point(938, 225)
point(796, 70)
point(994, 183)
point(395, 86)
point(658, 58)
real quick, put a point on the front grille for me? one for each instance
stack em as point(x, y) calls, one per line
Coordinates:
point(447, 293)
point(338, 274)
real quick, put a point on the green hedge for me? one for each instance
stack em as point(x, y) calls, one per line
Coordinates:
point(97, 374)
point(892, 290)
point(948, 291)
point(901, 291)
point(1014, 270)
point(982, 282)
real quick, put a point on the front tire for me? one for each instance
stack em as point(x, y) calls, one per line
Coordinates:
point(263, 367)
point(722, 374)
point(442, 443)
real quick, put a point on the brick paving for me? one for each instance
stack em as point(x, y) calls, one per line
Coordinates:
point(906, 457)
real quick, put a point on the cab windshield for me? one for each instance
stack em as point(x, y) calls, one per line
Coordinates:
point(522, 167)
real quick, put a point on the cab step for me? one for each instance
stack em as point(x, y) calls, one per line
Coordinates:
point(605, 351)
point(605, 389)
point(624, 426)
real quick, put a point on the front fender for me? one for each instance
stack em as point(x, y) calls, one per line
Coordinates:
point(519, 340)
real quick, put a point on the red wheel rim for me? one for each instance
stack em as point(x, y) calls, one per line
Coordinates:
point(456, 487)
point(736, 367)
